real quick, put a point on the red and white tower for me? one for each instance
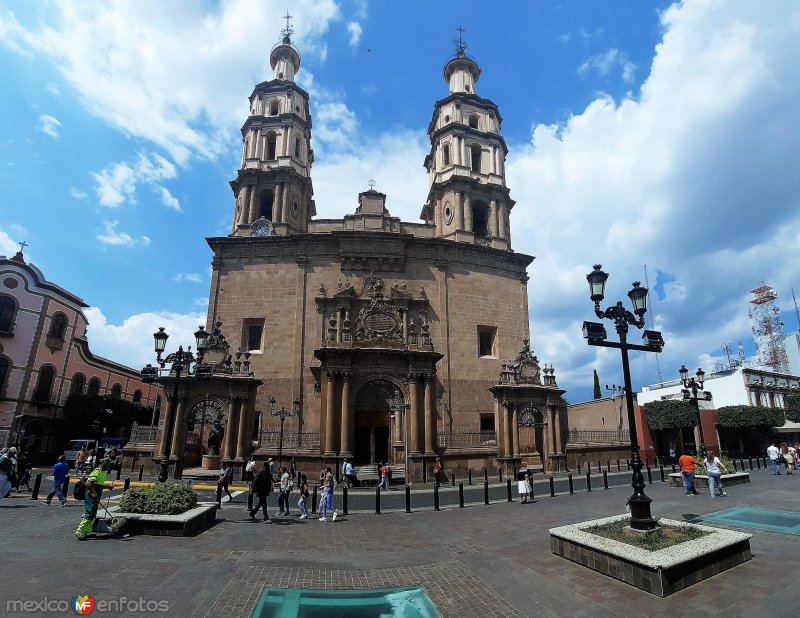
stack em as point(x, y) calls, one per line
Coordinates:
point(768, 328)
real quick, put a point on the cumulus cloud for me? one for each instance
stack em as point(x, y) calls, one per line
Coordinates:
point(49, 125)
point(355, 31)
point(191, 278)
point(111, 236)
point(8, 246)
point(168, 199)
point(602, 64)
point(116, 184)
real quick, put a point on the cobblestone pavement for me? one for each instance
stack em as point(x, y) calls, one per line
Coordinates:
point(478, 561)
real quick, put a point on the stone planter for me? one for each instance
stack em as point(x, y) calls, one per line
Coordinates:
point(189, 523)
point(728, 480)
point(660, 572)
point(210, 462)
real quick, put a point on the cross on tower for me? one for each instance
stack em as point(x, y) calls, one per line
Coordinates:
point(288, 31)
point(22, 246)
point(461, 46)
point(371, 184)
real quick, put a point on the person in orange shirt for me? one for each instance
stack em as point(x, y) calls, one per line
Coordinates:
point(686, 462)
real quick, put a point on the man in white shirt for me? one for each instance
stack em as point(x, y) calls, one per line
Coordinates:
point(774, 454)
point(347, 472)
point(283, 496)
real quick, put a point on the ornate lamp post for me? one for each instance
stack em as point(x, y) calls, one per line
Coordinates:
point(181, 362)
point(283, 414)
point(691, 386)
point(595, 333)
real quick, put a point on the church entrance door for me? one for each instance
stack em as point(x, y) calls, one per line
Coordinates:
point(374, 404)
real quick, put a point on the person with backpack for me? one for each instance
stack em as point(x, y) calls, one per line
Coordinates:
point(303, 501)
point(225, 476)
point(261, 489)
point(91, 498)
point(60, 471)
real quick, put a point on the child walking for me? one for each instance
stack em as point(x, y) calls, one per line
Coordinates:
point(302, 502)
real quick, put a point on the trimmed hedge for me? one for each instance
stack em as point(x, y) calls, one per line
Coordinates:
point(793, 408)
point(669, 414)
point(750, 416)
point(160, 499)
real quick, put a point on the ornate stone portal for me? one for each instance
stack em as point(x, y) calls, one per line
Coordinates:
point(527, 404)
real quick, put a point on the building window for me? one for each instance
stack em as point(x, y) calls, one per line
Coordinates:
point(4, 371)
point(94, 387)
point(273, 107)
point(297, 148)
point(137, 396)
point(57, 326)
point(475, 151)
point(473, 121)
point(8, 307)
point(77, 384)
point(116, 391)
point(265, 200)
point(480, 220)
point(487, 336)
point(272, 140)
point(446, 154)
point(487, 422)
point(253, 333)
point(45, 384)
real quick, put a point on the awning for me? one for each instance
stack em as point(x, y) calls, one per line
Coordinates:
point(788, 428)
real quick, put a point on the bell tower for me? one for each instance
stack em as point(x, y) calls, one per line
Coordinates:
point(468, 200)
point(273, 192)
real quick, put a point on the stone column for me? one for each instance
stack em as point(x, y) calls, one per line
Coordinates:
point(413, 419)
point(179, 436)
point(253, 213)
point(501, 220)
point(457, 150)
point(437, 216)
point(467, 213)
point(276, 204)
point(507, 446)
point(347, 419)
point(430, 417)
point(285, 203)
point(330, 415)
point(459, 211)
point(514, 429)
point(165, 416)
point(552, 432)
point(557, 429)
point(230, 428)
point(244, 425)
point(493, 218)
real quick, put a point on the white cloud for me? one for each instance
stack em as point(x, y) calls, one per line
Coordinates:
point(131, 342)
point(116, 184)
point(111, 236)
point(49, 125)
point(355, 31)
point(53, 89)
point(8, 246)
point(191, 278)
point(77, 193)
point(602, 64)
point(168, 199)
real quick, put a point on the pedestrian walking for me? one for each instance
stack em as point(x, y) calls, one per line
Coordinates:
point(774, 455)
point(283, 494)
point(250, 470)
point(60, 471)
point(327, 502)
point(261, 489)
point(303, 501)
point(91, 499)
point(786, 458)
point(523, 488)
point(347, 473)
point(271, 467)
point(687, 464)
point(384, 482)
point(225, 476)
point(25, 477)
point(438, 473)
point(7, 461)
point(80, 459)
point(714, 469)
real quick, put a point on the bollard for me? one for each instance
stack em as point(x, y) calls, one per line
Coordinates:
point(461, 495)
point(579, 467)
point(741, 464)
point(514, 470)
point(469, 476)
point(649, 475)
point(453, 479)
point(532, 494)
point(141, 472)
point(571, 488)
point(735, 468)
point(435, 497)
point(65, 487)
point(500, 474)
point(37, 483)
point(486, 475)
point(508, 490)
point(628, 463)
point(750, 461)
point(486, 492)
point(663, 479)
point(219, 495)
point(673, 468)
point(378, 501)
point(250, 501)
point(552, 488)
point(758, 463)
point(127, 484)
point(619, 469)
point(408, 498)
point(314, 500)
point(344, 501)
point(588, 481)
point(605, 479)
point(119, 472)
point(588, 466)
point(599, 466)
point(608, 465)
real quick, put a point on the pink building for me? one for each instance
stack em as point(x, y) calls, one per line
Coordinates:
point(45, 356)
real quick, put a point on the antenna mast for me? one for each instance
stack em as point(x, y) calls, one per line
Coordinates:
point(768, 328)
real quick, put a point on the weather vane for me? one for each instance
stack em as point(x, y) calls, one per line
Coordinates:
point(287, 32)
point(461, 46)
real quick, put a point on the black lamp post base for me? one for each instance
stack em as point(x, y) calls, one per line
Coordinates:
point(639, 502)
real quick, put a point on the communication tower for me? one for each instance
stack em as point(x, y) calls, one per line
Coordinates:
point(768, 328)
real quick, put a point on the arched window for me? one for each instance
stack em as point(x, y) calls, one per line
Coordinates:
point(57, 326)
point(297, 147)
point(265, 200)
point(45, 383)
point(480, 220)
point(473, 121)
point(137, 396)
point(273, 107)
point(116, 391)
point(446, 154)
point(272, 140)
point(77, 384)
point(8, 307)
point(94, 387)
point(475, 151)
point(5, 366)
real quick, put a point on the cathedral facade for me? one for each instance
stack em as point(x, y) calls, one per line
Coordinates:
point(384, 336)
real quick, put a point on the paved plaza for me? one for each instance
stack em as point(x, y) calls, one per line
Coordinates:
point(478, 561)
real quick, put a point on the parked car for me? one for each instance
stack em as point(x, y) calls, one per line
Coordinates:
point(106, 444)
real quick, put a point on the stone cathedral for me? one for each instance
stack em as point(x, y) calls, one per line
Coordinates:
point(389, 341)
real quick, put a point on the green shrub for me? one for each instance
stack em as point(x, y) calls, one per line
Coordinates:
point(669, 414)
point(161, 499)
point(750, 416)
point(793, 408)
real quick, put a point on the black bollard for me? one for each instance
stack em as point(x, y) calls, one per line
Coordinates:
point(588, 481)
point(461, 495)
point(750, 461)
point(119, 472)
point(37, 483)
point(127, 484)
point(552, 488)
point(249, 500)
point(619, 469)
point(741, 464)
point(673, 468)
point(608, 465)
point(453, 479)
point(758, 463)
point(500, 474)
point(599, 466)
point(141, 472)
point(571, 488)
point(65, 487)
point(435, 497)
point(486, 475)
point(408, 498)
point(219, 495)
point(605, 479)
point(661, 469)
point(486, 492)
point(649, 475)
point(314, 500)
point(579, 467)
point(344, 501)
point(469, 476)
point(628, 463)
point(588, 466)
point(378, 501)
point(508, 489)
point(532, 494)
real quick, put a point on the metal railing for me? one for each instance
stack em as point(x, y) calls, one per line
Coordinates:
point(143, 434)
point(600, 436)
point(270, 440)
point(466, 439)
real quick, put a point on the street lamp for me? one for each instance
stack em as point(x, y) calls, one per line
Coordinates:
point(283, 414)
point(181, 361)
point(595, 334)
point(694, 385)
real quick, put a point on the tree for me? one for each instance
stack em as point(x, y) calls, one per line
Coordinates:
point(669, 414)
point(750, 416)
point(793, 408)
point(597, 392)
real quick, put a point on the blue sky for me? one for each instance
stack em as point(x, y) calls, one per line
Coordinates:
point(639, 133)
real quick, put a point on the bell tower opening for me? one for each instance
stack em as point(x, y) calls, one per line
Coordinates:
point(272, 141)
point(265, 201)
point(480, 220)
point(475, 157)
